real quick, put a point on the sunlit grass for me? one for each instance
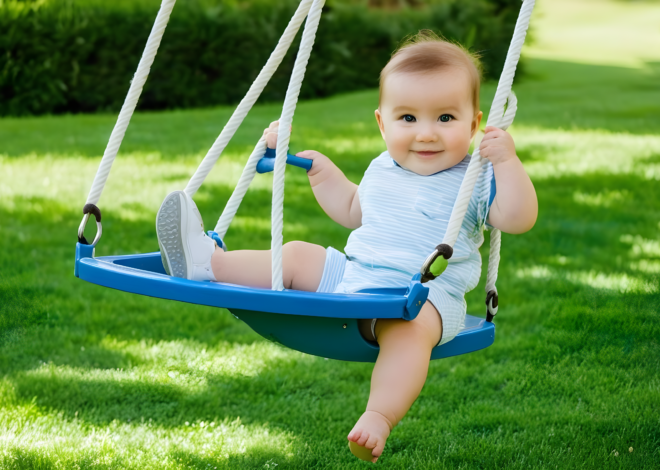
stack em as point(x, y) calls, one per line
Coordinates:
point(28, 442)
point(598, 280)
point(579, 152)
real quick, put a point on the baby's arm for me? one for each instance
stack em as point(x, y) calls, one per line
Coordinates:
point(334, 192)
point(515, 207)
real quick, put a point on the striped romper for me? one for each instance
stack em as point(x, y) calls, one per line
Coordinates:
point(404, 217)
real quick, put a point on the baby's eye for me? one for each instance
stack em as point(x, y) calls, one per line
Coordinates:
point(408, 118)
point(446, 118)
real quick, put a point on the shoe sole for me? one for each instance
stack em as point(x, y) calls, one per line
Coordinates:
point(169, 228)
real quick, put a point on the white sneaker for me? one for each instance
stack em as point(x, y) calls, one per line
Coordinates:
point(185, 249)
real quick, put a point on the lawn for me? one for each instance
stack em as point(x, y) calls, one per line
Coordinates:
point(95, 378)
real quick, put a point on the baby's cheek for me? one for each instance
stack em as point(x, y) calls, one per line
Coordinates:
point(397, 145)
point(462, 144)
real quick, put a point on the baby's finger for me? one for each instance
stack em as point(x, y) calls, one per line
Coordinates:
point(488, 138)
point(271, 140)
point(273, 127)
point(485, 149)
point(311, 154)
point(491, 129)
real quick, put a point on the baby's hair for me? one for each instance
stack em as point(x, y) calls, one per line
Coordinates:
point(427, 52)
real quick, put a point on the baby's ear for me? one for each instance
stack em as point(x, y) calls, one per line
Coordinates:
point(379, 120)
point(475, 124)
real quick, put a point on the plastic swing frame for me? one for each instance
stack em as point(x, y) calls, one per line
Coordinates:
point(323, 325)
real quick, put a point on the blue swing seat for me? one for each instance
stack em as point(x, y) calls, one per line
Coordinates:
point(323, 325)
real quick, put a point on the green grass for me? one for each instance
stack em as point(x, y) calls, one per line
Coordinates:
point(95, 378)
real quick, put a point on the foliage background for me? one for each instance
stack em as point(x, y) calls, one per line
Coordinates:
point(60, 56)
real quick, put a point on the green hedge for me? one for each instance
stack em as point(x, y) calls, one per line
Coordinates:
point(60, 56)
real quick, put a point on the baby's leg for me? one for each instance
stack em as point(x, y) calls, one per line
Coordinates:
point(188, 252)
point(302, 266)
point(398, 376)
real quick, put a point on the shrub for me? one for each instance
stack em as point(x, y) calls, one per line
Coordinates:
point(79, 55)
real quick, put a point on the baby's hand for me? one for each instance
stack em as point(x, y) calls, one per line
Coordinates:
point(271, 134)
point(497, 145)
point(319, 163)
point(319, 160)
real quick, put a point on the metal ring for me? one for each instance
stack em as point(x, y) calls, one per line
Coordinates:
point(81, 230)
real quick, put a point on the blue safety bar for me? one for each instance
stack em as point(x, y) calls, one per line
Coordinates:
point(267, 163)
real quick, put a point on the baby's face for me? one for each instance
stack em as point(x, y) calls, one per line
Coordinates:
point(428, 120)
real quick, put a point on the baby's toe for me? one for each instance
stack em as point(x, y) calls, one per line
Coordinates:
point(371, 443)
point(362, 440)
point(378, 450)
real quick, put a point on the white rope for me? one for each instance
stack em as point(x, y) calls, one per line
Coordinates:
point(495, 118)
point(495, 234)
point(246, 104)
point(283, 136)
point(244, 181)
point(132, 97)
point(493, 259)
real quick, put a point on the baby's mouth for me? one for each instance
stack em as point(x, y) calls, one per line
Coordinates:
point(427, 153)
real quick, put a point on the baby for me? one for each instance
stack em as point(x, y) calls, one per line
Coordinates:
point(428, 114)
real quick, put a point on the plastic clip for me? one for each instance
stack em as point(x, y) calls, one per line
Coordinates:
point(434, 265)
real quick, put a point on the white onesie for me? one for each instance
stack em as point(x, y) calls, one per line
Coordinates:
point(404, 217)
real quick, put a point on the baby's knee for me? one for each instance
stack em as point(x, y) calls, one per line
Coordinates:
point(295, 250)
point(292, 247)
point(409, 331)
point(425, 329)
point(302, 251)
point(302, 265)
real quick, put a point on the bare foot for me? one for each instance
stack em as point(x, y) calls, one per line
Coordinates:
point(368, 436)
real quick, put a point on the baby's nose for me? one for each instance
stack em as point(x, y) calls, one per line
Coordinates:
point(427, 136)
